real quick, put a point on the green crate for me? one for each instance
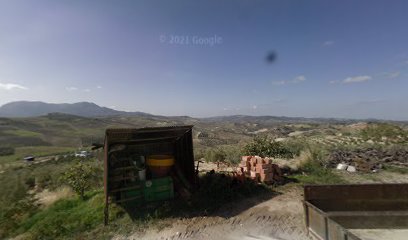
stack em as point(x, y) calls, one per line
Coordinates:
point(159, 189)
point(161, 181)
point(158, 196)
point(132, 194)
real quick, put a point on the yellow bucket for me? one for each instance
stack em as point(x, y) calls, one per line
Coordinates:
point(160, 161)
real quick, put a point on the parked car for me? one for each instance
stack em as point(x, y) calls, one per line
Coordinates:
point(29, 158)
point(82, 154)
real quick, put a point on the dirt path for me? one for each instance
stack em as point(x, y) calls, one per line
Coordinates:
point(280, 217)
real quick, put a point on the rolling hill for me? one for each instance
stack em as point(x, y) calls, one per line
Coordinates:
point(84, 109)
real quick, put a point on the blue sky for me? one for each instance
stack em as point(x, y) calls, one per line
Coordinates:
point(206, 58)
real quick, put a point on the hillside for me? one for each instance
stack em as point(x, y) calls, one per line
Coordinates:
point(33, 109)
point(59, 130)
point(42, 202)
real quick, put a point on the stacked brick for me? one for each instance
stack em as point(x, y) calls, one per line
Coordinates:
point(260, 169)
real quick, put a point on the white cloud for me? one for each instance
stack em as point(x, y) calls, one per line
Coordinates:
point(254, 107)
point(328, 43)
point(357, 79)
point(392, 75)
point(297, 79)
point(70, 89)
point(98, 87)
point(279, 83)
point(11, 86)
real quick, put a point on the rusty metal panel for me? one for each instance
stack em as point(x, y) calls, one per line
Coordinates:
point(351, 236)
point(317, 222)
point(356, 191)
point(372, 220)
point(358, 197)
point(336, 231)
point(333, 210)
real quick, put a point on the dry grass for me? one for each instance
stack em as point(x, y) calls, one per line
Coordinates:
point(294, 163)
point(47, 198)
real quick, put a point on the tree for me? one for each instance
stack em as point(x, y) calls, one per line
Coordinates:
point(79, 178)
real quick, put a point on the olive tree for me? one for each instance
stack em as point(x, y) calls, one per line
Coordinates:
point(79, 178)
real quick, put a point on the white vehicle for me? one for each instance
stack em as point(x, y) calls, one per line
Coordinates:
point(82, 154)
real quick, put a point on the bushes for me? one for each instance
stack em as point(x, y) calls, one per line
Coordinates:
point(296, 146)
point(260, 146)
point(377, 131)
point(17, 213)
point(79, 178)
point(6, 151)
point(215, 155)
point(315, 169)
point(65, 219)
point(228, 154)
point(18, 209)
point(266, 147)
point(233, 153)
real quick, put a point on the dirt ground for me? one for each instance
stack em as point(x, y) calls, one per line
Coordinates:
point(280, 217)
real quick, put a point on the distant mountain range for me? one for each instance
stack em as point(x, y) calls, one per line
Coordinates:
point(88, 109)
point(84, 109)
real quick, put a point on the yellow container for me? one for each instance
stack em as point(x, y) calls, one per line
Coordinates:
point(160, 160)
point(160, 165)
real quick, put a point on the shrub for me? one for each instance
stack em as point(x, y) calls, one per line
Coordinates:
point(315, 168)
point(377, 131)
point(215, 155)
point(198, 154)
point(79, 178)
point(266, 147)
point(233, 154)
point(296, 146)
point(43, 180)
point(65, 219)
point(30, 182)
point(16, 213)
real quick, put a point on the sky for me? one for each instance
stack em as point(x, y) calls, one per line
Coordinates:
point(342, 59)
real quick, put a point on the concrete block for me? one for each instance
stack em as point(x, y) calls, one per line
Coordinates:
point(351, 169)
point(341, 166)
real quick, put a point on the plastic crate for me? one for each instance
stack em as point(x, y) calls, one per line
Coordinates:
point(132, 193)
point(135, 195)
point(159, 189)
